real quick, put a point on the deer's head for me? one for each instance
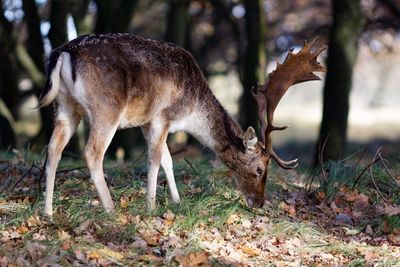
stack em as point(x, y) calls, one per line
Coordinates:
point(252, 169)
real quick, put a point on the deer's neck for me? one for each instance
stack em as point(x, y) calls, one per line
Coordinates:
point(214, 128)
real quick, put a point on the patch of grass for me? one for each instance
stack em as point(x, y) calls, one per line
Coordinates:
point(294, 229)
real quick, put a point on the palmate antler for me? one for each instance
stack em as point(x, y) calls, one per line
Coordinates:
point(296, 68)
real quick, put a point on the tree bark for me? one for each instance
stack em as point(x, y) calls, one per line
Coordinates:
point(79, 12)
point(7, 133)
point(58, 33)
point(254, 65)
point(114, 15)
point(343, 49)
point(8, 65)
point(177, 21)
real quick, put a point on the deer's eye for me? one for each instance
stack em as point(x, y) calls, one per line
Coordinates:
point(259, 171)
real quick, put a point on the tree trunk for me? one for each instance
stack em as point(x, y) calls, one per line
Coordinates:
point(7, 133)
point(254, 65)
point(79, 11)
point(114, 15)
point(8, 65)
point(177, 21)
point(58, 35)
point(343, 49)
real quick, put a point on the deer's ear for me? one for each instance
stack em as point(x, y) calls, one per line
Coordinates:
point(250, 139)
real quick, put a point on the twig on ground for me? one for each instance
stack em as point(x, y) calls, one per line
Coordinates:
point(191, 166)
point(41, 175)
point(72, 169)
point(321, 157)
point(387, 168)
point(23, 176)
point(363, 171)
point(372, 176)
point(131, 164)
point(362, 151)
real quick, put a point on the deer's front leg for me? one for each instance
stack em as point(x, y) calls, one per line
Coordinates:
point(156, 138)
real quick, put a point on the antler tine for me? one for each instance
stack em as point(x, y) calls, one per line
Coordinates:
point(262, 109)
point(296, 68)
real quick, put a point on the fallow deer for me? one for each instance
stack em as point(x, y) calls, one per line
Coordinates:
point(120, 81)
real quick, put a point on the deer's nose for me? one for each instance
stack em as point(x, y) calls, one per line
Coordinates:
point(253, 202)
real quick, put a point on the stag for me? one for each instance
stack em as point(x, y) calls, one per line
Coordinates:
point(120, 81)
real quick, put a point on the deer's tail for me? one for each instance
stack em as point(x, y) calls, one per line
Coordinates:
point(52, 85)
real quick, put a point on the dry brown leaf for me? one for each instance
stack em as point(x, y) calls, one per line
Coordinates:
point(169, 217)
point(394, 238)
point(368, 230)
point(123, 202)
point(22, 229)
point(150, 258)
point(62, 235)
point(361, 202)
point(193, 259)
point(151, 238)
point(34, 220)
point(249, 250)
point(122, 219)
point(35, 250)
point(288, 208)
point(93, 255)
point(111, 253)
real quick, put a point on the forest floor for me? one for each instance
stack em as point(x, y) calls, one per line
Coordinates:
point(351, 219)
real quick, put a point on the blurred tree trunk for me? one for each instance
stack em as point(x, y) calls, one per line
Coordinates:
point(8, 65)
point(58, 35)
point(254, 65)
point(36, 52)
point(177, 22)
point(7, 133)
point(8, 82)
point(343, 48)
point(115, 16)
point(79, 12)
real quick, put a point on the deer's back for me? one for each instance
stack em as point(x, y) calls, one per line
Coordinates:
point(141, 78)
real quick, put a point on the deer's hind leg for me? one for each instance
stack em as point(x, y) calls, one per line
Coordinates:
point(101, 134)
point(66, 121)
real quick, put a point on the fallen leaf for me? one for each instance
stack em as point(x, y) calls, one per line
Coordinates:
point(349, 231)
point(35, 250)
point(169, 215)
point(288, 208)
point(193, 259)
point(111, 253)
point(83, 226)
point(33, 220)
point(151, 238)
point(249, 250)
point(150, 258)
point(368, 230)
point(361, 202)
point(122, 219)
point(62, 235)
point(394, 238)
point(93, 255)
point(22, 229)
point(123, 202)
